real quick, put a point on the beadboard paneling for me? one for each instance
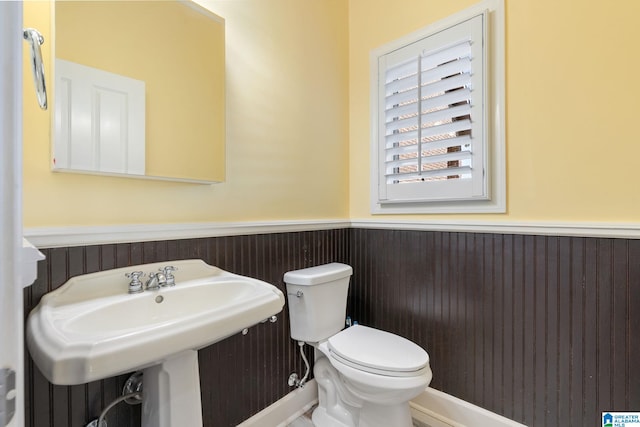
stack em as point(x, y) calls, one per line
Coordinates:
point(544, 330)
point(541, 329)
point(239, 376)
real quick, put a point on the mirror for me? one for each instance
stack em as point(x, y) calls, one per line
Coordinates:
point(175, 49)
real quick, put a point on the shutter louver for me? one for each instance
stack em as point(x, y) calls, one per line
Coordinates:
point(437, 117)
point(429, 112)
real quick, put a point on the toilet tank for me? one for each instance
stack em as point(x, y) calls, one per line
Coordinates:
point(317, 299)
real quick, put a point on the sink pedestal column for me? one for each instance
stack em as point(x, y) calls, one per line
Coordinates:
point(171, 396)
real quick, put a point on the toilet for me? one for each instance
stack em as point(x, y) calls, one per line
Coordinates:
point(366, 377)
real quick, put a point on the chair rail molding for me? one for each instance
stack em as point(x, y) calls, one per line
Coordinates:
point(55, 237)
point(68, 236)
point(620, 230)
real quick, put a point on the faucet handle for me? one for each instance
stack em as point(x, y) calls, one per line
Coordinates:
point(135, 285)
point(168, 273)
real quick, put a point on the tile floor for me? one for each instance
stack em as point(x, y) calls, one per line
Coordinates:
point(301, 422)
point(305, 421)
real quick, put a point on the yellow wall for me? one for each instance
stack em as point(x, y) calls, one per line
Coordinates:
point(571, 145)
point(183, 72)
point(572, 103)
point(287, 130)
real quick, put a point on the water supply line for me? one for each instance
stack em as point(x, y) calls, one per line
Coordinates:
point(293, 378)
point(114, 403)
point(131, 394)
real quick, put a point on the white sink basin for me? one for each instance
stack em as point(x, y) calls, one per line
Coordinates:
point(92, 328)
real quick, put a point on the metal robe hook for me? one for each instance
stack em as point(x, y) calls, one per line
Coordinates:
point(36, 39)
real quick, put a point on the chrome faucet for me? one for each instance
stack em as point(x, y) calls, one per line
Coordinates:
point(164, 277)
point(155, 281)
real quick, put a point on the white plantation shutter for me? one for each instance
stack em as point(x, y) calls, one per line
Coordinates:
point(432, 124)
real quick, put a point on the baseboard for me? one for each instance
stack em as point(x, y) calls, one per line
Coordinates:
point(434, 408)
point(287, 409)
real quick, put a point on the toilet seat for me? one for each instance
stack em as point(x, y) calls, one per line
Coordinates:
point(377, 352)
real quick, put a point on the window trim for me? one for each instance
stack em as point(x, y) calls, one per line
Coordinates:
point(494, 108)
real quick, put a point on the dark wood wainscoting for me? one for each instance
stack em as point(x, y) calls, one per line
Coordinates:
point(239, 376)
point(544, 330)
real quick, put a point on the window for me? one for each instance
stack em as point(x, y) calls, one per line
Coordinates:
point(437, 97)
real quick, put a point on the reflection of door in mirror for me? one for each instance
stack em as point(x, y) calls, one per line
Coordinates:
point(100, 121)
point(176, 49)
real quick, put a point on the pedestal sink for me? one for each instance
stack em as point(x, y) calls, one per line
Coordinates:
point(91, 328)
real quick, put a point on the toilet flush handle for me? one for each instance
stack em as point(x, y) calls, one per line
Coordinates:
point(297, 294)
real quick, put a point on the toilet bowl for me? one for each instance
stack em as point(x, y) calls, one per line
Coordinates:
point(365, 376)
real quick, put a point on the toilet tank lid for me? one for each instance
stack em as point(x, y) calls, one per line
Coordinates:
point(318, 274)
